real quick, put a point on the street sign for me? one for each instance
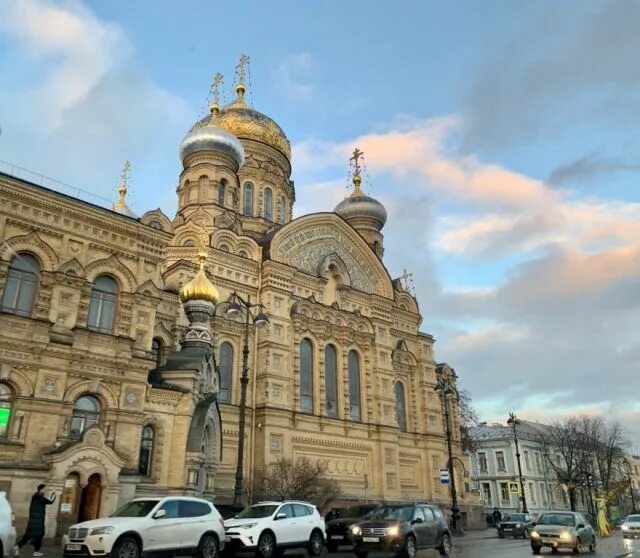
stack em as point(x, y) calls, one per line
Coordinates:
point(514, 488)
point(444, 476)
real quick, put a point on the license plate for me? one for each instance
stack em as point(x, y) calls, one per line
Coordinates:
point(370, 539)
point(507, 529)
point(548, 541)
point(337, 537)
point(74, 547)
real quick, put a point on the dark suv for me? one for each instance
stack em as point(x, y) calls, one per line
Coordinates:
point(402, 529)
point(339, 529)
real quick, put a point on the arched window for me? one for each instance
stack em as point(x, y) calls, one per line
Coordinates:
point(146, 451)
point(226, 372)
point(157, 351)
point(154, 224)
point(102, 307)
point(86, 412)
point(6, 403)
point(20, 287)
point(189, 243)
point(354, 386)
point(268, 204)
point(222, 191)
point(243, 254)
point(401, 410)
point(331, 380)
point(306, 376)
point(283, 210)
point(248, 199)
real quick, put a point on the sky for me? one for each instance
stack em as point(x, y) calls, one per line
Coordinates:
point(502, 137)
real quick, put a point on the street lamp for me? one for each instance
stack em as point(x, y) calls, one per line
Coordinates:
point(514, 421)
point(446, 390)
point(237, 306)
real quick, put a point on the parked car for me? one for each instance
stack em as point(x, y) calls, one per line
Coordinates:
point(402, 529)
point(516, 525)
point(7, 527)
point(563, 529)
point(631, 527)
point(268, 528)
point(339, 529)
point(176, 525)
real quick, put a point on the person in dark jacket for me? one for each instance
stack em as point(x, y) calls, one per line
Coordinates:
point(497, 516)
point(35, 526)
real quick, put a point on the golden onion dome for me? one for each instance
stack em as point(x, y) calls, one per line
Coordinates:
point(200, 288)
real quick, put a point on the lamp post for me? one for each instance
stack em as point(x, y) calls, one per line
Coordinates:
point(514, 421)
point(446, 390)
point(237, 306)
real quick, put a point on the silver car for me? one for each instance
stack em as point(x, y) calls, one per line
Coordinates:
point(631, 527)
point(563, 529)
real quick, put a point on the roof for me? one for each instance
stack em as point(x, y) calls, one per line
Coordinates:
point(527, 430)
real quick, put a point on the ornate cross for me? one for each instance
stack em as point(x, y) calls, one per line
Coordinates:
point(356, 161)
point(405, 278)
point(124, 175)
point(215, 88)
point(241, 68)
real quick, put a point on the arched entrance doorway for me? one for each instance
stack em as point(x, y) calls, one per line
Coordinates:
point(90, 499)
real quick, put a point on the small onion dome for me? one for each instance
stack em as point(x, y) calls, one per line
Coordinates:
point(359, 205)
point(207, 135)
point(121, 206)
point(200, 288)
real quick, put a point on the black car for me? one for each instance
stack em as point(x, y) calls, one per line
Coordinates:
point(339, 528)
point(402, 529)
point(516, 525)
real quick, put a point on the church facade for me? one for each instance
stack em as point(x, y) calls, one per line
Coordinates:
point(116, 380)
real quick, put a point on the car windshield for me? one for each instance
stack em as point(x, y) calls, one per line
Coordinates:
point(357, 511)
point(514, 517)
point(257, 512)
point(137, 508)
point(633, 519)
point(397, 513)
point(566, 519)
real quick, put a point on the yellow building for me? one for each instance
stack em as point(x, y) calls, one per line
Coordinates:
point(108, 387)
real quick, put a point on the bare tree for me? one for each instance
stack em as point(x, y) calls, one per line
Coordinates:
point(300, 480)
point(604, 448)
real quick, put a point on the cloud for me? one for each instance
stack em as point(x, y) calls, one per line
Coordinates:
point(589, 167)
point(294, 74)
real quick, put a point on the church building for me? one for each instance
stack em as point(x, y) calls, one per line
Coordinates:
point(121, 349)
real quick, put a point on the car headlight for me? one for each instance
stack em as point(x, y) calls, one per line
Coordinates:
point(355, 530)
point(247, 526)
point(393, 531)
point(566, 536)
point(625, 527)
point(518, 525)
point(534, 535)
point(102, 530)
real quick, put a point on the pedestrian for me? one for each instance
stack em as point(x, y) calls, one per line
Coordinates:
point(497, 516)
point(35, 526)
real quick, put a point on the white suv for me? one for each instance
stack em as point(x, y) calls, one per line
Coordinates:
point(271, 527)
point(7, 527)
point(178, 525)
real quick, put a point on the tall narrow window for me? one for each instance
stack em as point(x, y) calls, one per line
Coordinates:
point(157, 351)
point(20, 287)
point(222, 191)
point(401, 413)
point(146, 451)
point(86, 412)
point(226, 372)
point(248, 199)
point(283, 210)
point(331, 380)
point(102, 307)
point(268, 204)
point(306, 376)
point(6, 403)
point(354, 386)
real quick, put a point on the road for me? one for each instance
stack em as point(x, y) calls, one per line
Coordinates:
point(476, 544)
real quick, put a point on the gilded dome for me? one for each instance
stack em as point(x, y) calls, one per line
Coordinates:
point(200, 288)
point(209, 135)
point(358, 205)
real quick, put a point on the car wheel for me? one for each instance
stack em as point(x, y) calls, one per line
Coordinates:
point(360, 553)
point(208, 547)
point(525, 534)
point(332, 547)
point(554, 550)
point(266, 545)
point(445, 546)
point(126, 547)
point(535, 549)
point(500, 534)
point(316, 543)
point(592, 546)
point(410, 548)
point(577, 549)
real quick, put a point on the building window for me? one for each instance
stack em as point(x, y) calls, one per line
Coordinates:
point(532, 493)
point(502, 466)
point(283, 210)
point(102, 307)
point(486, 493)
point(268, 204)
point(226, 372)
point(543, 495)
point(482, 462)
point(331, 380)
point(20, 287)
point(86, 412)
point(538, 463)
point(504, 493)
point(189, 243)
point(306, 376)
point(146, 451)
point(222, 191)
point(527, 461)
point(155, 224)
point(6, 404)
point(247, 206)
point(157, 351)
point(354, 386)
point(401, 414)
